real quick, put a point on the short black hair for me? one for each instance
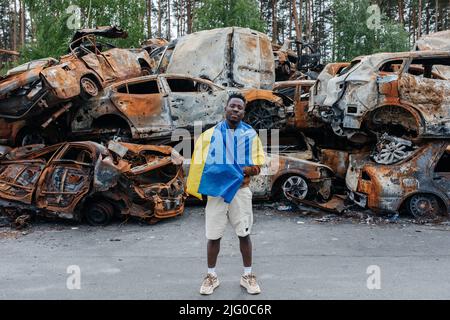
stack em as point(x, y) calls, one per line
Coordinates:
point(236, 95)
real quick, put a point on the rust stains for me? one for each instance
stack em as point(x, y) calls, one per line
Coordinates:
point(86, 180)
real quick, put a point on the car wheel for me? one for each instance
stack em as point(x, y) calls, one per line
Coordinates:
point(146, 71)
point(99, 213)
point(294, 187)
point(88, 88)
point(424, 206)
point(32, 137)
point(261, 115)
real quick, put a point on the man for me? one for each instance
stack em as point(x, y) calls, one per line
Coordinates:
point(224, 158)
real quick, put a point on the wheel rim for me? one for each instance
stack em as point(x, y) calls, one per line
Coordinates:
point(392, 153)
point(32, 138)
point(99, 214)
point(424, 206)
point(260, 117)
point(89, 87)
point(296, 187)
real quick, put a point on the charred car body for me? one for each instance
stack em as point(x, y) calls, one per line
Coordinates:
point(289, 176)
point(398, 93)
point(34, 95)
point(87, 180)
point(152, 107)
point(418, 184)
point(230, 57)
point(91, 65)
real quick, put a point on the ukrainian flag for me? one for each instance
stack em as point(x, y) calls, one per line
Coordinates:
point(219, 155)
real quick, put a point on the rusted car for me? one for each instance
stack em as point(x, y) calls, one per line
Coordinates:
point(289, 176)
point(85, 180)
point(230, 57)
point(436, 41)
point(419, 184)
point(298, 91)
point(402, 94)
point(33, 96)
point(296, 60)
point(22, 97)
point(92, 64)
point(152, 107)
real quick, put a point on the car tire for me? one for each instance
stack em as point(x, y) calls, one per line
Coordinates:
point(99, 213)
point(424, 206)
point(295, 185)
point(88, 88)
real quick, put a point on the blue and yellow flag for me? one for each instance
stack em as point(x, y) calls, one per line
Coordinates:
point(219, 155)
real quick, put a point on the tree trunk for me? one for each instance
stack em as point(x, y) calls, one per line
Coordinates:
point(14, 27)
point(22, 23)
point(400, 12)
point(298, 34)
point(437, 17)
point(300, 22)
point(419, 19)
point(290, 20)
point(308, 20)
point(168, 20)
point(149, 19)
point(274, 22)
point(159, 19)
point(189, 16)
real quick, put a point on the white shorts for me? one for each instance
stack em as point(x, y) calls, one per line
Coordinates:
point(239, 212)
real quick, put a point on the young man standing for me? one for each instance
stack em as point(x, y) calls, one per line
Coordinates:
point(225, 157)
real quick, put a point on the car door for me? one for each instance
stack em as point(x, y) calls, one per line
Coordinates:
point(194, 100)
point(19, 178)
point(143, 103)
point(424, 88)
point(387, 80)
point(441, 172)
point(67, 178)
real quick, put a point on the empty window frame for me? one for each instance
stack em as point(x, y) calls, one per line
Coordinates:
point(144, 87)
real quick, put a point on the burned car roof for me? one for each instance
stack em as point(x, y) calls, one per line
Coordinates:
point(111, 32)
point(434, 41)
point(230, 56)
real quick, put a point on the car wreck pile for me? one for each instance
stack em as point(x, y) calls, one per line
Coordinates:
point(89, 135)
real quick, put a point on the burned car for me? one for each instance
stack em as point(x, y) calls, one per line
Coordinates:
point(298, 91)
point(402, 94)
point(291, 177)
point(85, 180)
point(92, 64)
point(152, 107)
point(34, 95)
point(290, 173)
point(22, 95)
point(296, 60)
point(418, 184)
point(230, 57)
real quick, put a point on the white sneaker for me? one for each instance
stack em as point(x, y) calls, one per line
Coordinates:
point(248, 281)
point(209, 284)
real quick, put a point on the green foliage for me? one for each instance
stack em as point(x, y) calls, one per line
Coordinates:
point(52, 34)
point(353, 37)
point(227, 13)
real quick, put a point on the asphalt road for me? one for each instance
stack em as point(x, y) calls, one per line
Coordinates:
point(295, 257)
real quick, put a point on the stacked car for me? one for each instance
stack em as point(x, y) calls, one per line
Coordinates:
point(94, 129)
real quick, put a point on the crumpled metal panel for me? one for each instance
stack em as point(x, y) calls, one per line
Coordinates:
point(142, 180)
point(228, 56)
point(434, 41)
point(386, 187)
